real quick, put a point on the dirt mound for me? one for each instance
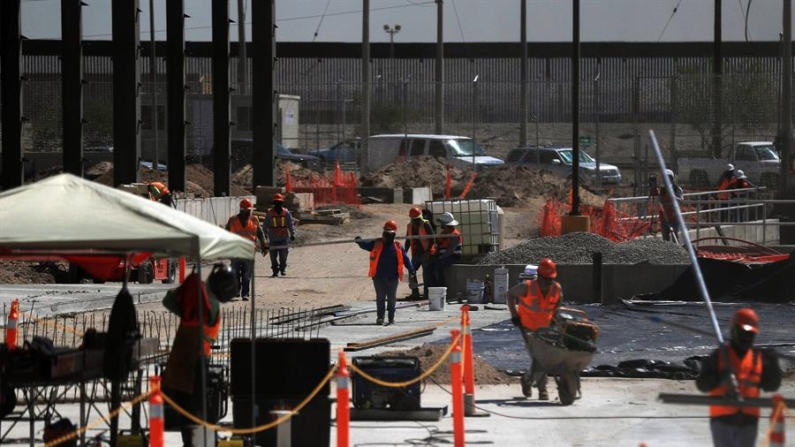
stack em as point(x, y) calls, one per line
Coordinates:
point(245, 175)
point(17, 272)
point(429, 355)
point(199, 179)
point(416, 172)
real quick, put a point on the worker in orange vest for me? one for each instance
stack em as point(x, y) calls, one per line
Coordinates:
point(246, 225)
point(533, 304)
point(448, 249)
point(387, 260)
point(279, 227)
point(160, 193)
point(668, 221)
point(420, 249)
point(754, 369)
point(728, 180)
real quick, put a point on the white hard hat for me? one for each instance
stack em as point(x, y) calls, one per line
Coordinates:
point(530, 269)
point(740, 174)
point(669, 173)
point(447, 219)
point(730, 167)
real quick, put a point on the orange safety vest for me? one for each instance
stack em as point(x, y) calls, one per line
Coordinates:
point(536, 310)
point(278, 225)
point(445, 242)
point(190, 312)
point(249, 231)
point(726, 183)
point(375, 255)
point(416, 244)
point(749, 375)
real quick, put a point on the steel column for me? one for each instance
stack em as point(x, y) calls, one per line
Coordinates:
point(264, 97)
point(72, 85)
point(523, 75)
point(126, 92)
point(439, 68)
point(11, 92)
point(175, 85)
point(221, 99)
point(575, 110)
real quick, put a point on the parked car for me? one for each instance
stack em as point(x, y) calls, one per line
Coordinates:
point(461, 152)
point(558, 159)
point(241, 155)
point(757, 159)
point(343, 152)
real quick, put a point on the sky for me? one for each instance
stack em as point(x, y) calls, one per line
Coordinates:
point(464, 20)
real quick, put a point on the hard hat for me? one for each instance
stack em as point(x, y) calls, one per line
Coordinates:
point(222, 282)
point(746, 319)
point(415, 213)
point(547, 268)
point(246, 204)
point(391, 226)
point(669, 173)
point(278, 197)
point(740, 174)
point(530, 270)
point(447, 219)
point(730, 167)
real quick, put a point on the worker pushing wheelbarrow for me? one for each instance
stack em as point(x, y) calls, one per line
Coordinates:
point(560, 341)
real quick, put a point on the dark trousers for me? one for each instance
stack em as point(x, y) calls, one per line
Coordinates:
point(669, 230)
point(385, 296)
point(726, 434)
point(279, 256)
point(435, 271)
point(421, 261)
point(192, 403)
point(242, 271)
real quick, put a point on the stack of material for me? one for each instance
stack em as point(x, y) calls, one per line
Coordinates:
point(265, 197)
point(327, 217)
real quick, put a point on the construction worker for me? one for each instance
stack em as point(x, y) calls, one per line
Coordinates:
point(449, 243)
point(533, 304)
point(387, 260)
point(668, 220)
point(160, 193)
point(754, 370)
point(420, 249)
point(278, 228)
point(740, 182)
point(246, 225)
point(182, 377)
point(727, 181)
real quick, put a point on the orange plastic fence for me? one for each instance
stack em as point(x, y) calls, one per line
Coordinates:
point(332, 188)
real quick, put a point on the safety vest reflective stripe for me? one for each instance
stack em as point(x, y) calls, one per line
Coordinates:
point(375, 255)
point(278, 222)
point(749, 374)
point(12, 323)
point(249, 231)
point(342, 383)
point(535, 310)
point(455, 357)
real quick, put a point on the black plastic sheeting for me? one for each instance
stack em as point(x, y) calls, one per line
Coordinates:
point(631, 345)
point(731, 281)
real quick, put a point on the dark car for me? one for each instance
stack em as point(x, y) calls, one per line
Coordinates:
point(241, 155)
point(344, 152)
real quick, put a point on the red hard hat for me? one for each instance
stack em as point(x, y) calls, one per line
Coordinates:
point(278, 197)
point(415, 212)
point(746, 319)
point(390, 225)
point(547, 268)
point(246, 204)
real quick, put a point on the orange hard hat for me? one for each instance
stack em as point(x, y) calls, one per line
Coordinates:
point(746, 319)
point(415, 212)
point(390, 225)
point(278, 197)
point(246, 204)
point(547, 268)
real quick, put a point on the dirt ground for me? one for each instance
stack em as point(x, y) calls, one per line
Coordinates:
point(429, 355)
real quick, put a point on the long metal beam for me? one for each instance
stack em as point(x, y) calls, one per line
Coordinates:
point(175, 92)
point(126, 92)
point(11, 91)
point(221, 100)
point(72, 85)
point(264, 97)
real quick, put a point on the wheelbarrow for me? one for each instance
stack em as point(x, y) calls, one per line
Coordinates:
point(563, 350)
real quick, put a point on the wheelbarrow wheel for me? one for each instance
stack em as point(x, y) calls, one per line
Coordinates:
point(567, 390)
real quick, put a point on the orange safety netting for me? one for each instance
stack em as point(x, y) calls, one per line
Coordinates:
point(606, 221)
point(334, 188)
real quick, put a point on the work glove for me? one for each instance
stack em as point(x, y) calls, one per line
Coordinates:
point(357, 239)
point(413, 284)
point(292, 238)
point(264, 247)
point(516, 321)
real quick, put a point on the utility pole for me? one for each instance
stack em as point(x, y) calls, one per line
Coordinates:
point(523, 71)
point(242, 71)
point(365, 78)
point(153, 73)
point(439, 77)
point(575, 110)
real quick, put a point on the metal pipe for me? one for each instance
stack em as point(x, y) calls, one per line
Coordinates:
point(523, 75)
point(575, 110)
point(153, 75)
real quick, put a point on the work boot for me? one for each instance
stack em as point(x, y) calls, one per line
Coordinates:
point(379, 321)
point(527, 386)
point(275, 273)
point(542, 393)
point(284, 271)
point(415, 295)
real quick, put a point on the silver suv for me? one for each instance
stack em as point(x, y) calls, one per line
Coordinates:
point(558, 159)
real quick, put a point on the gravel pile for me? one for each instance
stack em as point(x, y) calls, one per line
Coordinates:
point(578, 248)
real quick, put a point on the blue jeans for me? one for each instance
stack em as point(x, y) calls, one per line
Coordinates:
point(725, 434)
point(385, 296)
point(242, 271)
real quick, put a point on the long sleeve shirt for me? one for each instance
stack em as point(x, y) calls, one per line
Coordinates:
point(388, 262)
point(290, 227)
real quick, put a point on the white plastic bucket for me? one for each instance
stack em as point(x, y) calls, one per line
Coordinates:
point(475, 290)
point(436, 298)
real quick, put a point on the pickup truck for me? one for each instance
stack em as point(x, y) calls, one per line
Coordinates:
point(757, 159)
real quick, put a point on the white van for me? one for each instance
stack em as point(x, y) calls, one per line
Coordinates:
point(462, 152)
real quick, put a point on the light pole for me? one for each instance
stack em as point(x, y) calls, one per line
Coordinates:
point(392, 30)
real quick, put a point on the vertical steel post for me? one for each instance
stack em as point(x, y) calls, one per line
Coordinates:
point(153, 77)
point(786, 102)
point(221, 106)
point(365, 79)
point(575, 110)
point(126, 92)
point(11, 92)
point(264, 96)
point(717, 85)
point(242, 61)
point(72, 85)
point(175, 85)
point(523, 75)
point(597, 110)
point(439, 69)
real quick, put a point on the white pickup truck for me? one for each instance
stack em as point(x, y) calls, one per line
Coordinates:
point(757, 159)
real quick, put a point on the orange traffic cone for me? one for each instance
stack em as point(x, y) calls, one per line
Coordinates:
point(343, 403)
point(157, 423)
point(469, 366)
point(11, 326)
point(777, 438)
point(456, 374)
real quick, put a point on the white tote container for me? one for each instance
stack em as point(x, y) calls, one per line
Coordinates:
point(436, 298)
point(501, 284)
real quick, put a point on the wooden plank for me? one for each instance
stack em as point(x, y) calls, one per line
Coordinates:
point(375, 340)
point(388, 340)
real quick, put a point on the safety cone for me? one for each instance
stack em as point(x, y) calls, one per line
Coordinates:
point(777, 438)
point(343, 403)
point(457, 391)
point(156, 422)
point(11, 326)
point(469, 366)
